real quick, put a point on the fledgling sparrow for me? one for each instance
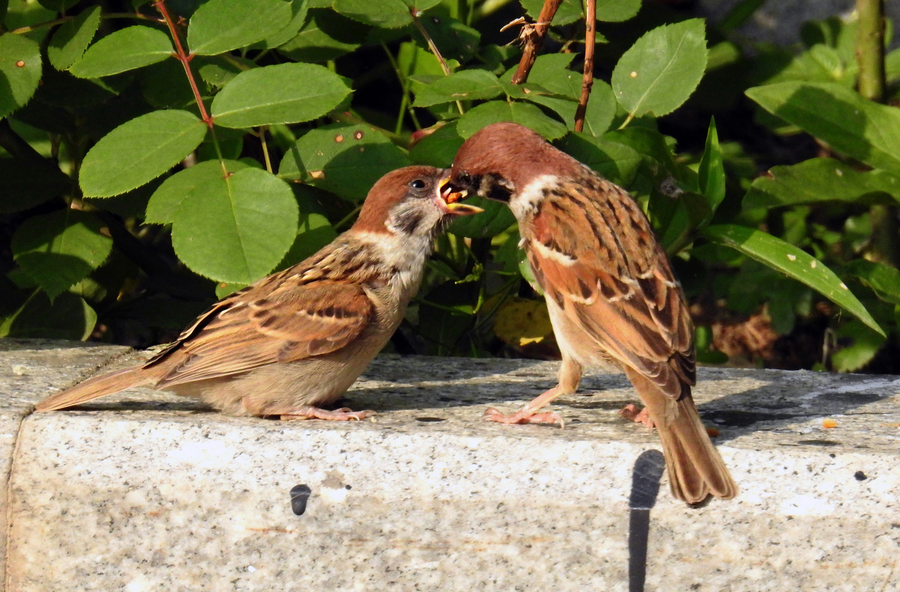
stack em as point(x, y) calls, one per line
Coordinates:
point(297, 339)
point(610, 291)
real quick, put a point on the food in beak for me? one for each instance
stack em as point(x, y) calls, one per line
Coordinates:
point(452, 198)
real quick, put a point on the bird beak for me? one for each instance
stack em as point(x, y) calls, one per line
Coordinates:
point(450, 200)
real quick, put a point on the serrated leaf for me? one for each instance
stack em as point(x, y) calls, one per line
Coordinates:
point(662, 69)
point(285, 93)
point(222, 25)
point(525, 114)
point(616, 11)
point(164, 202)
point(439, 148)
point(456, 40)
point(326, 35)
point(835, 114)
point(299, 12)
point(792, 262)
point(313, 232)
point(236, 229)
point(67, 317)
point(569, 11)
point(70, 41)
point(614, 161)
point(343, 159)
point(127, 49)
point(20, 71)
point(884, 280)
point(467, 85)
point(390, 14)
point(59, 249)
point(139, 151)
point(711, 174)
point(495, 219)
point(821, 180)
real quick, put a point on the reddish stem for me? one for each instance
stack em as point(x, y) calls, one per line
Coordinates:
point(534, 40)
point(587, 80)
point(185, 59)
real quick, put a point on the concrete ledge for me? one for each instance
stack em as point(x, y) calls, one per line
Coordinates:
point(145, 491)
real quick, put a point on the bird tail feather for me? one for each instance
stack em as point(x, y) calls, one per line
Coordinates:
point(93, 388)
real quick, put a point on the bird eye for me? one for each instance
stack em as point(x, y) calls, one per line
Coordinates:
point(417, 184)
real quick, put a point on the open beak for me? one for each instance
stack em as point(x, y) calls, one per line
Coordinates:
point(450, 200)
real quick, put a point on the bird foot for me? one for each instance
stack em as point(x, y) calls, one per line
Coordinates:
point(631, 413)
point(342, 414)
point(523, 416)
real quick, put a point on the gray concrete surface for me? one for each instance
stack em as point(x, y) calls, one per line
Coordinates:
point(145, 491)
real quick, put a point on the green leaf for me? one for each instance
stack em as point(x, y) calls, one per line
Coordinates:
point(164, 202)
point(525, 114)
point(467, 85)
point(299, 12)
point(661, 70)
point(821, 180)
point(127, 49)
point(326, 35)
point(56, 250)
point(67, 317)
point(314, 230)
point(286, 93)
point(455, 40)
point(712, 171)
point(865, 343)
point(71, 40)
point(616, 11)
point(835, 114)
point(612, 160)
point(27, 183)
point(390, 14)
point(139, 151)
point(884, 280)
point(792, 262)
point(217, 71)
point(20, 71)
point(569, 11)
point(236, 229)
point(495, 219)
point(343, 159)
point(439, 148)
point(222, 25)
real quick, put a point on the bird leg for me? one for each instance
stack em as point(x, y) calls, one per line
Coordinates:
point(569, 376)
point(342, 414)
point(631, 412)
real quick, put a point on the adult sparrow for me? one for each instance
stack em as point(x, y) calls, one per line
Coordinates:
point(610, 291)
point(299, 338)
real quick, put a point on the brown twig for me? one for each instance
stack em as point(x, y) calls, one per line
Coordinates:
point(534, 40)
point(587, 80)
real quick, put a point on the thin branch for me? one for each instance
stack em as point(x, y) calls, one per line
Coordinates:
point(587, 80)
point(434, 49)
point(534, 40)
point(185, 59)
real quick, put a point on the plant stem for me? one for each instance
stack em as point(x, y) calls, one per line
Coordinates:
point(534, 40)
point(434, 49)
point(885, 243)
point(870, 49)
point(185, 59)
point(587, 81)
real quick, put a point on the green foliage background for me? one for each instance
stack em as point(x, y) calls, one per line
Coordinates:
point(155, 156)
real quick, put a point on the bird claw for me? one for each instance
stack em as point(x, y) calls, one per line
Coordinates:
point(522, 416)
point(342, 414)
point(632, 413)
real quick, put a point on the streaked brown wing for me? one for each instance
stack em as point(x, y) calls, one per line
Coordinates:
point(629, 304)
point(281, 319)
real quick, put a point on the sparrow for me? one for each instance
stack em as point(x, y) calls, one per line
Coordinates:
point(296, 340)
point(609, 287)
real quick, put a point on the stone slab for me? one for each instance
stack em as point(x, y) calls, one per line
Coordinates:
point(146, 491)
